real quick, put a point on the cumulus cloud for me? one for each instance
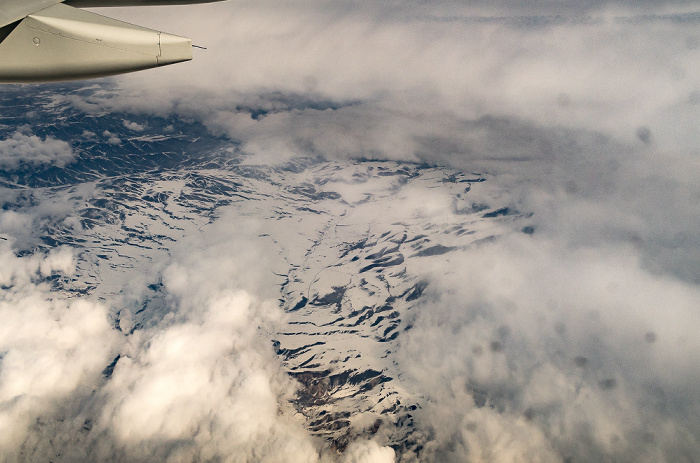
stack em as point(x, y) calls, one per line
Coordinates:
point(15, 223)
point(111, 138)
point(218, 400)
point(22, 271)
point(368, 452)
point(53, 349)
point(134, 126)
point(534, 352)
point(26, 150)
point(202, 383)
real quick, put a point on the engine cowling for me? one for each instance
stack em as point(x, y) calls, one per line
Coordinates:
point(66, 43)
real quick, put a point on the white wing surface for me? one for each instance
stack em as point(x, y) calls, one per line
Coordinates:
point(49, 40)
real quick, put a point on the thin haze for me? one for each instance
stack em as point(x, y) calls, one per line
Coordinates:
point(583, 114)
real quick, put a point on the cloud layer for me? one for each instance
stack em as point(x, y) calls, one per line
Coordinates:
point(572, 342)
point(588, 123)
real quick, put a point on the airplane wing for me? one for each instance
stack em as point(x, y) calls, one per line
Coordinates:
point(51, 40)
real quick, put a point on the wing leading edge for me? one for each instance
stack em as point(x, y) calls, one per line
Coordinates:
point(57, 42)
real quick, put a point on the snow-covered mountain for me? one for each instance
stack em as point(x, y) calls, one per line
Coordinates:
point(166, 294)
point(344, 250)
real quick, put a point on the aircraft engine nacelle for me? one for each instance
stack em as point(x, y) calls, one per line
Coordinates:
point(66, 43)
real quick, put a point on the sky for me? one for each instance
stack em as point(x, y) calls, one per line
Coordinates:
point(584, 335)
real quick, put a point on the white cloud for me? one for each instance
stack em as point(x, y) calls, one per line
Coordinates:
point(528, 351)
point(22, 271)
point(202, 383)
point(111, 138)
point(553, 107)
point(368, 452)
point(205, 383)
point(134, 126)
point(15, 223)
point(603, 74)
point(29, 150)
point(204, 388)
point(53, 348)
